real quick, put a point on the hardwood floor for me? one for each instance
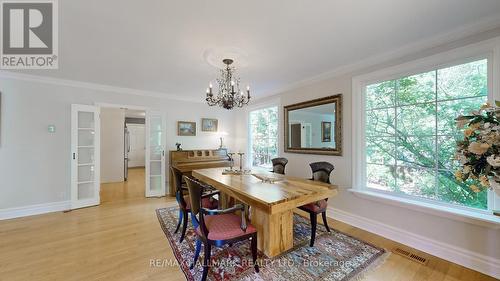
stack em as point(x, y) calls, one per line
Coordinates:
point(132, 188)
point(118, 239)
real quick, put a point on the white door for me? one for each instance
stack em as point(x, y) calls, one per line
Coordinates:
point(155, 153)
point(137, 153)
point(85, 152)
point(306, 135)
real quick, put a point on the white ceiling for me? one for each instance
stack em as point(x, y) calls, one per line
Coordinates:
point(159, 45)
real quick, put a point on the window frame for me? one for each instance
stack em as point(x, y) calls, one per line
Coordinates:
point(489, 49)
point(249, 160)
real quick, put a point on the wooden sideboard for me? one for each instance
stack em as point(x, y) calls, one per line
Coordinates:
point(189, 160)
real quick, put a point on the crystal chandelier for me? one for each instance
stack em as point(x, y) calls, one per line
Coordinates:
point(229, 94)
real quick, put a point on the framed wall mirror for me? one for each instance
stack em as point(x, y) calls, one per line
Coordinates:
point(315, 126)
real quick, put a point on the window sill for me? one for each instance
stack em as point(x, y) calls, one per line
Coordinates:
point(482, 219)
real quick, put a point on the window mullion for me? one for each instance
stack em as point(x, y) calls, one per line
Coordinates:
point(396, 133)
point(436, 152)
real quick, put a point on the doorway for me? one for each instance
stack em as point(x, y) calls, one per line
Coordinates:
point(123, 154)
point(101, 166)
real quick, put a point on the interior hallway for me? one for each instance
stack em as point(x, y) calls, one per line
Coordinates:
point(134, 187)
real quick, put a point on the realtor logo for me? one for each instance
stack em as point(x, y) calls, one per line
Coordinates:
point(29, 35)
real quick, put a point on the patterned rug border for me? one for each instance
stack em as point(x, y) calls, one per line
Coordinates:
point(171, 241)
point(371, 264)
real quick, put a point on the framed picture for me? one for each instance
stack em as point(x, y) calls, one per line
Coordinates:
point(186, 128)
point(209, 125)
point(326, 131)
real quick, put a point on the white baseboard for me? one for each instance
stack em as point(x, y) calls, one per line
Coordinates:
point(11, 213)
point(485, 264)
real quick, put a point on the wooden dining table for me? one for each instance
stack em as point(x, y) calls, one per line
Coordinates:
point(272, 200)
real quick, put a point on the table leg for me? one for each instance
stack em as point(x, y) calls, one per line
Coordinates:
point(225, 201)
point(275, 232)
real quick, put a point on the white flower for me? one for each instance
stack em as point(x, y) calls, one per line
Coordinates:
point(493, 161)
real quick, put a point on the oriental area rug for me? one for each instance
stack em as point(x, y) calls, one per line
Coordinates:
point(335, 255)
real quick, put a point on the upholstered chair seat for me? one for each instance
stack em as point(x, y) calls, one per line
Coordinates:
point(317, 207)
point(225, 227)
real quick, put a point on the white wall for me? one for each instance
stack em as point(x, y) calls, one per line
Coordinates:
point(478, 246)
point(112, 144)
point(35, 165)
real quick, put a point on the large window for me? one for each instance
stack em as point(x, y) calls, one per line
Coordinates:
point(263, 133)
point(410, 132)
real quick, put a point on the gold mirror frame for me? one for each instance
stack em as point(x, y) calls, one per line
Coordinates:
point(337, 99)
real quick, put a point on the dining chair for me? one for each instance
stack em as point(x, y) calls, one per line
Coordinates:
point(184, 202)
point(279, 165)
point(218, 227)
point(320, 172)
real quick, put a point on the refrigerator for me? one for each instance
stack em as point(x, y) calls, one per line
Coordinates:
point(126, 152)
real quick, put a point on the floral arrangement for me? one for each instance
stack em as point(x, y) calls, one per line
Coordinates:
point(479, 151)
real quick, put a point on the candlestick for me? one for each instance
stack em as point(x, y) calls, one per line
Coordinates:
point(241, 160)
point(231, 161)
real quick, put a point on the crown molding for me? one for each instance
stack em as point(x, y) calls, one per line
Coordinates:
point(92, 86)
point(484, 26)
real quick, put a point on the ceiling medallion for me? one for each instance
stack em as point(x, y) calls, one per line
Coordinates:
point(229, 94)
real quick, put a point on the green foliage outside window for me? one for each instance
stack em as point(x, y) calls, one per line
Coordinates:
point(264, 136)
point(411, 133)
